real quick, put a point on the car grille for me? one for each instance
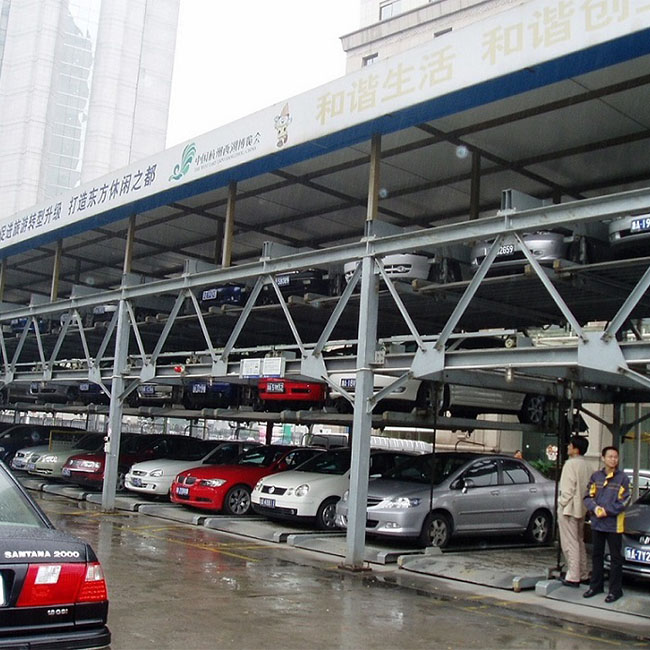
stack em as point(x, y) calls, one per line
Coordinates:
point(271, 489)
point(187, 480)
point(373, 501)
point(138, 472)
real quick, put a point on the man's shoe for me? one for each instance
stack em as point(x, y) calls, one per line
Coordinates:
point(591, 592)
point(586, 581)
point(569, 583)
point(610, 598)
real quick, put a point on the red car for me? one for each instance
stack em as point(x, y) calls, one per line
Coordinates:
point(278, 394)
point(228, 488)
point(88, 469)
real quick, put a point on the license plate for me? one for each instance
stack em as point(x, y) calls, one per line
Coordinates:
point(136, 482)
point(282, 280)
point(268, 503)
point(640, 225)
point(65, 471)
point(31, 466)
point(182, 491)
point(84, 387)
point(506, 249)
point(349, 383)
point(199, 388)
point(148, 389)
point(275, 387)
point(637, 555)
point(209, 294)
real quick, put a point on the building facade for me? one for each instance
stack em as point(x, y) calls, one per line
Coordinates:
point(389, 27)
point(84, 90)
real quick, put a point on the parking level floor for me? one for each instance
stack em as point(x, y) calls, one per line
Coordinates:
point(177, 585)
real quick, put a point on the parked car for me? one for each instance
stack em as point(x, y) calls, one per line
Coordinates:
point(299, 283)
point(546, 247)
point(225, 294)
point(210, 393)
point(27, 435)
point(279, 394)
point(630, 233)
point(157, 395)
point(91, 393)
point(636, 538)
point(228, 488)
point(433, 497)
point(17, 325)
point(310, 492)
point(459, 401)
point(50, 463)
point(88, 469)
point(47, 392)
point(644, 478)
point(400, 266)
point(52, 589)
point(155, 477)
point(66, 440)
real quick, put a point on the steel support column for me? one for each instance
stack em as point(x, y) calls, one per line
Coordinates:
point(362, 419)
point(230, 225)
point(56, 271)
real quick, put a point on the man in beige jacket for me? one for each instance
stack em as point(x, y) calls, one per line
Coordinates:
point(571, 512)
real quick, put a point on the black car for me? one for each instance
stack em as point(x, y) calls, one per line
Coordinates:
point(636, 538)
point(52, 588)
point(29, 435)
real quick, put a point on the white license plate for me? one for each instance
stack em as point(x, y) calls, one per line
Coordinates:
point(506, 249)
point(209, 294)
point(267, 503)
point(641, 224)
point(637, 555)
point(199, 388)
point(282, 280)
point(182, 491)
point(275, 387)
point(349, 383)
point(65, 471)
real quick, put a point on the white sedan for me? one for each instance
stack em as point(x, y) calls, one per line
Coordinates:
point(310, 492)
point(155, 477)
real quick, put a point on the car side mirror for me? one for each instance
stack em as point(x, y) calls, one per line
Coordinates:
point(467, 484)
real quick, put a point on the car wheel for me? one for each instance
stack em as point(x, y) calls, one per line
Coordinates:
point(540, 528)
point(326, 514)
point(120, 483)
point(436, 530)
point(533, 410)
point(238, 500)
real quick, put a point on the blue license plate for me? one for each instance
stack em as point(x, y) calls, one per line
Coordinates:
point(637, 555)
point(267, 503)
point(640, 225)
point(182, 491)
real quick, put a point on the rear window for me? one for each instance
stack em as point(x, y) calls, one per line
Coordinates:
point(15, 509)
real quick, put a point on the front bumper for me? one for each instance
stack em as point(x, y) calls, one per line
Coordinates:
point(387, 522)
point(200, 497)
point(294, 508)
point(145, 485)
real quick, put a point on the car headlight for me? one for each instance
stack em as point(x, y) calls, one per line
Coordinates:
point(345, 496)
point(258, 485)
point(402, 503)
point(300, 491)
point(2, 448)
point(213, 482)
point(156, 473)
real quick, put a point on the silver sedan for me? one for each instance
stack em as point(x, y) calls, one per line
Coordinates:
point(433, 497)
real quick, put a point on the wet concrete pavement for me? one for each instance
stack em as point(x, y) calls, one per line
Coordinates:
point(177, 585)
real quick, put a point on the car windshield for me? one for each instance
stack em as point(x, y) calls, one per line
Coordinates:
point(193, 453)
point(15, 509)
point(261, 456)
point(430, 469)
point(90, 442)
point(329, 462)
point(644, 498)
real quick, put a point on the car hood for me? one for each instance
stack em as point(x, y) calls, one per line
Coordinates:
point(385, 488)
point(38, 449)
point(167, 465)
point(227, 471)
point(293, 478)
point(64, 454)
point(31, 544)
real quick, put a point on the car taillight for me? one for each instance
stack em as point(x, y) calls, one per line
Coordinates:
point(56, 584)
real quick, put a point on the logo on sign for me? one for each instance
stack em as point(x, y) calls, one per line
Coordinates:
point(186, 160)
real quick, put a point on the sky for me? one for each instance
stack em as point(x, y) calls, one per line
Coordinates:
point(235, 57)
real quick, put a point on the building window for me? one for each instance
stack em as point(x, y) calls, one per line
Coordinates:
point(389, 9)
point(369, 60)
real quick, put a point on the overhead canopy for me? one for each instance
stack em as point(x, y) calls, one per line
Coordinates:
point(557, 111)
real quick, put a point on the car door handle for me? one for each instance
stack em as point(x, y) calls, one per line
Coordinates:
point(495, 492)
point(532, 490)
